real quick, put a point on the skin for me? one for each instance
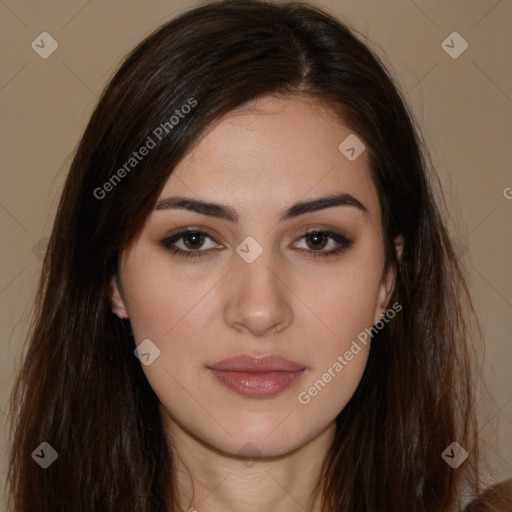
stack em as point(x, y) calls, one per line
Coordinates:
point(259, 160)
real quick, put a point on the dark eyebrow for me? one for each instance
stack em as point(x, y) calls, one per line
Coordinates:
point(225, 212)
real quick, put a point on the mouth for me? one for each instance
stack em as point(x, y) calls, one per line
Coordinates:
point(253, 377)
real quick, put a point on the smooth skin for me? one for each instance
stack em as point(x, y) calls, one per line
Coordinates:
point(258, 160)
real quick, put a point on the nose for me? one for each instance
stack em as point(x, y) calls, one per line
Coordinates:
point(258, 300)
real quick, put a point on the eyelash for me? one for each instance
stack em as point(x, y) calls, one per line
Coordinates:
point(344, 242)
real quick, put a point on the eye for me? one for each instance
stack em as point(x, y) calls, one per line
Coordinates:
point(193, 239)
point(316, 240)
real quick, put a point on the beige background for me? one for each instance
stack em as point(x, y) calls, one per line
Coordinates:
point(463, 105)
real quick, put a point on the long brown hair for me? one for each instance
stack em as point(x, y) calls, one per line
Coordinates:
point(80, 388)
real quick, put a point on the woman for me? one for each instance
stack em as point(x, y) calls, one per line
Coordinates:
point(250, 300)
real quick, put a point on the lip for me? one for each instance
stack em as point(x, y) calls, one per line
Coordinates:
point(257, 377)
point(248, 363)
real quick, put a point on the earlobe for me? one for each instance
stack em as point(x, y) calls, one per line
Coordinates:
point(388, 282)
point(118, 306)
point(386, 289)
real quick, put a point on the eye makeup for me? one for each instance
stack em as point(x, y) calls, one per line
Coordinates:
point(197, 237)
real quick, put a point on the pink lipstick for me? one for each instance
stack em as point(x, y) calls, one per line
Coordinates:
point(257, 377)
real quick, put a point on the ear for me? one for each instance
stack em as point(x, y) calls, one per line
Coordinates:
point(388, 282)
point(118, 305)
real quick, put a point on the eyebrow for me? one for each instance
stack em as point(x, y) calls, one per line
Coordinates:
point(221, 211)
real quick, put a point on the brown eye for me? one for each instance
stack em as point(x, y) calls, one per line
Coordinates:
point(317, 240)
point(191, 240)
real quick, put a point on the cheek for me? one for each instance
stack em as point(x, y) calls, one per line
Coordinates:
point(345, 313)
point(341, 352)
point(173, 310)
point(346, 304)
point(327, 391)
point(163, 301)
point(180, 314)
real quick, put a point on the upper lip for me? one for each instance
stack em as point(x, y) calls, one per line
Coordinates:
point(248, 363)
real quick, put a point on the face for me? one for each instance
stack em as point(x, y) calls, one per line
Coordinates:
point(288, 290)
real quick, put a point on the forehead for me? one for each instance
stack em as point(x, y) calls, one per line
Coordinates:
point(271, 153)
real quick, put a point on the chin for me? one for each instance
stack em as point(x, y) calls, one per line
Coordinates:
point(262, 438)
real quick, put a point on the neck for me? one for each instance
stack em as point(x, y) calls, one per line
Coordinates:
point(213, 481)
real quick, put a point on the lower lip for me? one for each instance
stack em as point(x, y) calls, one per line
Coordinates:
point(257, 385)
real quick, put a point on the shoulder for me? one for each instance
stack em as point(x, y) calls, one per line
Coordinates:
point(497, 498)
